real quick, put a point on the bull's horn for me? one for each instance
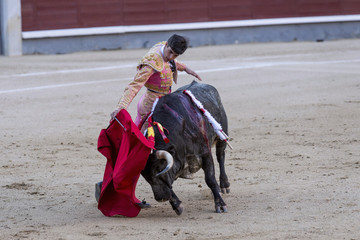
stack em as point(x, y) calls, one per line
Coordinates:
point(161, 154)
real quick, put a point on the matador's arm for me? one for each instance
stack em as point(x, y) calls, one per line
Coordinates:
point(143, 74)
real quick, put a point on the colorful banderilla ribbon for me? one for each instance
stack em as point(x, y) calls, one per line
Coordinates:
point(151, 132)
point(161, 130)
point(217, 127)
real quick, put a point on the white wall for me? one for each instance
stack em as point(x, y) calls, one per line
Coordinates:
point(10, 26)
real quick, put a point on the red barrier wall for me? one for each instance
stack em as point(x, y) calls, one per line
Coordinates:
point(55, 14)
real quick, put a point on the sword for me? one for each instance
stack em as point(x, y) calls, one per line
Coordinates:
point(120, 123)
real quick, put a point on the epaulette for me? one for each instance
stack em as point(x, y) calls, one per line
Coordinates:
point(153, 58)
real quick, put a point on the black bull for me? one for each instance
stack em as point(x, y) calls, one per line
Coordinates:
point(191, 138)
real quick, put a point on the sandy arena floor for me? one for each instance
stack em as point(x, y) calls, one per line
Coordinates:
point(293, 111)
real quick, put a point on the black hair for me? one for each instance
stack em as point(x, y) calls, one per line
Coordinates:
point(178, 43)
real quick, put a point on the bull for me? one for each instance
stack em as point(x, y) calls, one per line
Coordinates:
point(191, 138)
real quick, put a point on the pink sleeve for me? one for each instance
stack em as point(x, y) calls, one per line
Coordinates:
point(142, 75)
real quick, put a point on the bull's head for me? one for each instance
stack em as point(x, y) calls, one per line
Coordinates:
point(157, 174)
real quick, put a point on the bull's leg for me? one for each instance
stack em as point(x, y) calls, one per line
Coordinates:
point(220, 155)
point(209, 170)
point(176, 203)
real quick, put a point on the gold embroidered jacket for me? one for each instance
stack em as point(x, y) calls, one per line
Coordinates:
point(154, 73)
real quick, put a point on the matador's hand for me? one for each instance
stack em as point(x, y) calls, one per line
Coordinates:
point(191, 72)
point(113, 114)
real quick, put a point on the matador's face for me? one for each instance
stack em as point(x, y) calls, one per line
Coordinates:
point(169, 54)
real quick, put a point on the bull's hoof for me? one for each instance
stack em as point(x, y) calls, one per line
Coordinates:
point(179, 210)
point(221, 209)
point(225, 190)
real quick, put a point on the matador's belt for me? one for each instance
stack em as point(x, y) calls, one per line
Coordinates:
point(151, 90)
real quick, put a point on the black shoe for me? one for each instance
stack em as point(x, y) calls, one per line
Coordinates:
point(143, 204)
point(98, 190)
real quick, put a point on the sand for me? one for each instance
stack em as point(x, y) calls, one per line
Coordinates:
point(293, 111)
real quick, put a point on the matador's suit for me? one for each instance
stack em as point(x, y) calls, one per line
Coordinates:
point(156, 75)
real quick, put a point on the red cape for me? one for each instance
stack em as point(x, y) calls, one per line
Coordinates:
point(126, 152)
